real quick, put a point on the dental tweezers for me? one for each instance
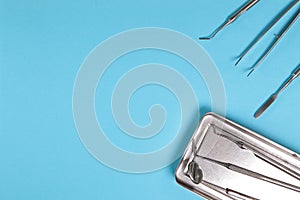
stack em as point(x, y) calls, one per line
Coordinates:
point(286, 10)
point(276, 40)
point(253, 174)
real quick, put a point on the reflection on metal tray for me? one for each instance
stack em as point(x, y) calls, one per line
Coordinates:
point(227, 161)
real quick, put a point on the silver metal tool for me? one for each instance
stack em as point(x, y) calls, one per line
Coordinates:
point(253, 174)
point(274, 96)
point(225, 161)
point(281, 14)
point(232, 18)
point(276, 40)
point(230, 192)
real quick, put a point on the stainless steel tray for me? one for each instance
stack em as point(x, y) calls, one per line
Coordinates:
point(224, 160)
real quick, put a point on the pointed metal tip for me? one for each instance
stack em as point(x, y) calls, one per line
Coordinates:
point(238, 61)
point(257, 114)
point(252, 70)
point(205, 38)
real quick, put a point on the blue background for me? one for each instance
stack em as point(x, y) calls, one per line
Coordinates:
point(42, 45)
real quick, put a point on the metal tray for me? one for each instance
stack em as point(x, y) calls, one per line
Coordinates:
point(224, 160)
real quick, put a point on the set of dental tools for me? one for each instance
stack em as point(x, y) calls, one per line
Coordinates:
point(249, 4)
point(226, 161)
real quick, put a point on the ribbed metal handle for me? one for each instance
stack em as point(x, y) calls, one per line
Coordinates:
point(246, 7)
